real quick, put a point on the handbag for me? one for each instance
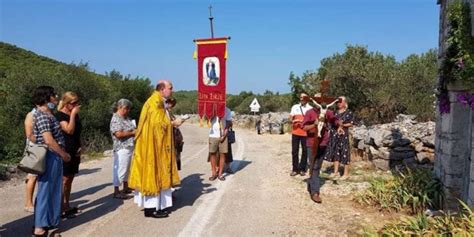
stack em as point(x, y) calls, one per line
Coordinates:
point(231, 136)
point(34, 159)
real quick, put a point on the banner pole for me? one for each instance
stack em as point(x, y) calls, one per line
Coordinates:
point(210, 19)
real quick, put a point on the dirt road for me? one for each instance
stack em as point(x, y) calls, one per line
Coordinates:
point(259, 199)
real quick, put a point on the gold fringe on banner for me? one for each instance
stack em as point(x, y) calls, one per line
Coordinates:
point(195, 54)
point(208, 123)
point(200, 122)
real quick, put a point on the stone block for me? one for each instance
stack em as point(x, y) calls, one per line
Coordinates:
point(461, 144)
point(455, 147)
point(455, 166)
point(445, 147)
point(446, 123)
point(373, 153)
point(381, 164)
point(418, 146)
point(438, 170)
point(428, 140)
point(383, 153)
point(427, 149)
point(377, 136)
point(461, 120)
point(453, 181)
point(470, 195)
point(424, 157)
point(472, 170)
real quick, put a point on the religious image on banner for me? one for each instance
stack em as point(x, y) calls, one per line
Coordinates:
point(211, 71)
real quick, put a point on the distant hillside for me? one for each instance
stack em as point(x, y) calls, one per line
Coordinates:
point(21, 71)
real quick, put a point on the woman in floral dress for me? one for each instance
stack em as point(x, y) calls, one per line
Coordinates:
point(339, 151)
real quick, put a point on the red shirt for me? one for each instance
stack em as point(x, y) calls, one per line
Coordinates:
point(311, 117)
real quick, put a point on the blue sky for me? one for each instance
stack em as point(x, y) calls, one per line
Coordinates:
point(269, 38)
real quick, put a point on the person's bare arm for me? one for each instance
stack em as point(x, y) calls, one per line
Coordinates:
point(53, 145)
point(29, 123)
point(69, 126)
point(177, 122)
point(124, 134)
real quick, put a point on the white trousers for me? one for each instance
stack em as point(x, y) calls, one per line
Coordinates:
point(121, 165)
point(159, 202)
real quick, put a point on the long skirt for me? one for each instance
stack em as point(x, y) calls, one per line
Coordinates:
point(48, 198)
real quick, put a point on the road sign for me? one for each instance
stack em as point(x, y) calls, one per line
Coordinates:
point(254, 106)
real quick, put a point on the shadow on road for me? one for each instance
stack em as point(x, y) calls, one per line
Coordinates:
point(89, 191)
point(192, 187)
point(91, 211)
point(88, 171)
point(238, 165)
point(94, 210)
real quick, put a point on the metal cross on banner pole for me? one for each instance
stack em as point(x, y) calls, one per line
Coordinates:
point(210, 19)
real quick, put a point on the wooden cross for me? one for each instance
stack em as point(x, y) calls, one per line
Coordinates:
point(323, 98)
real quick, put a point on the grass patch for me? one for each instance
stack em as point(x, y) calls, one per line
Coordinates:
point(411, 190)
point(461, 224)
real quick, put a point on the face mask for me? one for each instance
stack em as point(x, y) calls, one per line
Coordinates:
point(51, 106)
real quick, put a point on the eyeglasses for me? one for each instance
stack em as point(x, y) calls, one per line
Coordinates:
point(74, 102)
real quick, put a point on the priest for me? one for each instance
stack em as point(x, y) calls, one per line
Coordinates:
point(153, 172)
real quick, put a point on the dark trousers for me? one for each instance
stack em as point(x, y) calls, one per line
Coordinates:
point(295, 145)
point(314, 182)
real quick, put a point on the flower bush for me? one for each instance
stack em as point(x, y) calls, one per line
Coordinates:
point(458, 63)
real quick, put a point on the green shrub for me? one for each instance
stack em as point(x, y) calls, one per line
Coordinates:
point(410, 190)
point(421, 225)
point(377, 86)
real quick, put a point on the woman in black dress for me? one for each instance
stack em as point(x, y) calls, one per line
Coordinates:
point(68, 117)
point(338, 150)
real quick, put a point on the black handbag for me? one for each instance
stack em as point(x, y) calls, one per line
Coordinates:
point(34, 159)
point(231, 136)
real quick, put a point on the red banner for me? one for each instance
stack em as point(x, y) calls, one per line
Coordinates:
point(211, 56)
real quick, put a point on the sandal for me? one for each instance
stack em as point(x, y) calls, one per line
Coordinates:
point(74, 210)
point(68, 214)
point(45, 234)
point(221, 178)
point(212, 178)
